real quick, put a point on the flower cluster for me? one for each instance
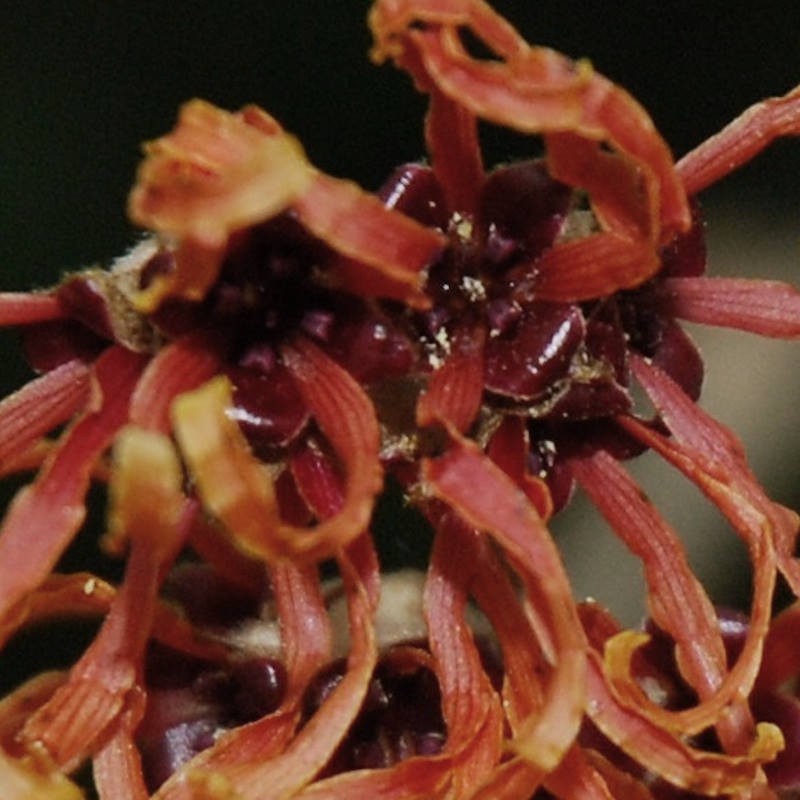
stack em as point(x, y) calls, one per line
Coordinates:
point(246, 378)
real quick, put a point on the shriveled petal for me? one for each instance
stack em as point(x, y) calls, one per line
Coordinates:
point(710, 456)
point(638, 198)
point(215, 173)
point(385, 253)
point(501, 509)
point(146, 505)
point(677, 600)
point(44, 516)
point(237, 487)
point(667, 755)
point(769, 308)
point(741, 140)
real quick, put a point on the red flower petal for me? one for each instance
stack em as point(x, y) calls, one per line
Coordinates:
point(237, 489)
point(484, 497)
point(385, 253)
point(712, 458)
point(741, 140)
point(677, 601)
point(179, 367)
point(455, 390)
point(146, 507)
point(215, 173)
point(40, 406)
point(667, 755)
point(44, 516)
point(769, 308)
point(636, 193)
point(25, 308)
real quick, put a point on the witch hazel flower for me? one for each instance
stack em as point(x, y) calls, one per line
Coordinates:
point(244, 380)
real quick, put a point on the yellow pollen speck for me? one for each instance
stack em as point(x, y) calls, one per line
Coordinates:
point(89, 587)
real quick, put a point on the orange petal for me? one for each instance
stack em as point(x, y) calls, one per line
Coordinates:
point(668, 756)
point(485, 497)
point(238, 490)
point(215, 173)
point(384, 251)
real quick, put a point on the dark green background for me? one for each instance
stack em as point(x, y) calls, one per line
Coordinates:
point(83, 83)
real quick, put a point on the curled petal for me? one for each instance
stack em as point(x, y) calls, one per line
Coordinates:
point(385, 252)
point(215, 173)
point(179, 367)
point(741, 140)
point(637, 196)
point(237, 488)
point(40, 406)
point(146, 497)
point(677, 601)
point(502, 510)
point(308, 752)
point(712, 459)
point(769, 308)
point(666, 755)
point(44, 516)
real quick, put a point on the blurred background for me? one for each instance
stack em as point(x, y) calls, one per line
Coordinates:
point(82, 84)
